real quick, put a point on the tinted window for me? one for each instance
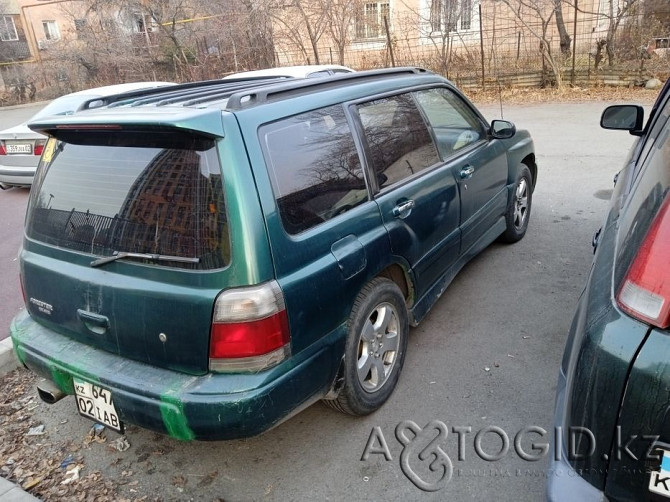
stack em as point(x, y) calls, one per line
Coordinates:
point(454, 124)
point(314, 167)
point(399, 142)
point(662, 115)
point(156, 198)
point(322, 73)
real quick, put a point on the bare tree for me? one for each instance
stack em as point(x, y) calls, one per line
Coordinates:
point(439, 25)
point(616, 12)
point(340, 18)
point(300, 18)
point(562, 31)
point(526, 13)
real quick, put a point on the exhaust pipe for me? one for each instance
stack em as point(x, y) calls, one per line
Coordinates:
point(49, 393)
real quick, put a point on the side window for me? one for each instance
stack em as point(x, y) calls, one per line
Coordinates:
point(314, 167)
point(399, 141)
point(454, 124)
point(661, 118)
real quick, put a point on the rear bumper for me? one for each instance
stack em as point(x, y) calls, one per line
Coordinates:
point(208, 407)
point(564, 482)
point(17, 175)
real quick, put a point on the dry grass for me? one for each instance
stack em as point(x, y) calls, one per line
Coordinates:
point(637, 95)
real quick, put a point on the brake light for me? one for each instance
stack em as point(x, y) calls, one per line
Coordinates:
point(3, 150)
point(250, 329)
point(645, 291)
point(39, 146)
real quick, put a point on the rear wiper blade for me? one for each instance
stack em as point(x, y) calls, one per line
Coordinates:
point(143, 256)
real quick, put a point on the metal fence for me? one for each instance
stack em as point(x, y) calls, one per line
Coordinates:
point(500, 51)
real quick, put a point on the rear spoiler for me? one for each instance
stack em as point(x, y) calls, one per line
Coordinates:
point(203, 122)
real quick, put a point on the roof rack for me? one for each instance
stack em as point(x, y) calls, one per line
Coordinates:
point(239, 93)
point(245, 99)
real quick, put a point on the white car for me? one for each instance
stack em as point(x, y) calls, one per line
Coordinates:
point(21, 148)
point(305, 71)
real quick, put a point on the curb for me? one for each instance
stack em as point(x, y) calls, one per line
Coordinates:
point(8, 362)
point(9, 492)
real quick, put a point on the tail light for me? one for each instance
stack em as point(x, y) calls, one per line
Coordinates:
point(249, 329)
point(645, 291)
point(39, 146)
point(3, 150)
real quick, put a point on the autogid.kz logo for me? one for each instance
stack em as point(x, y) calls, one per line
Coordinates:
point(425, 462)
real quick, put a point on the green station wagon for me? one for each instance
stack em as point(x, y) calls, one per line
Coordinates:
point(207, 260)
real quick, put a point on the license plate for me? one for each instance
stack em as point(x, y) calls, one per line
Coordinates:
point(659, 482)
point(19, 148)
point(96, 403)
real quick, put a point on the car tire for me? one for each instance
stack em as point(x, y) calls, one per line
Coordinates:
point(378, 329)
point(518, 208)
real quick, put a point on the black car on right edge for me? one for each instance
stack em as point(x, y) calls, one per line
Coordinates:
point(613, 395)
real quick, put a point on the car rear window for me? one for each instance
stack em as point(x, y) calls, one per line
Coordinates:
point(314, 167)
point(140, 193)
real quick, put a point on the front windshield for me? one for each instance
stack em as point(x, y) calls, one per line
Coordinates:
point(64, 105)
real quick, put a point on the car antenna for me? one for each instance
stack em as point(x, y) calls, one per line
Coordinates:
point(500, 100)
point(502, 115)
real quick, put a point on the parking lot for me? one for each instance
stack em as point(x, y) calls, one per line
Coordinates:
point(483, 363)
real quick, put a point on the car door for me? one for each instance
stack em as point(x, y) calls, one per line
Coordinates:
point(462, 139)
point(416, 192)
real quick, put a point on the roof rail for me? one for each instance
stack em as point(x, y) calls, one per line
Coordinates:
point(149, 91)
point(187, 94)
point(240, 93)
point(249, 97)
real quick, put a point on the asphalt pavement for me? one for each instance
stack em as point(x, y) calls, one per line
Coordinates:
point(12, 211)
point(480, 370)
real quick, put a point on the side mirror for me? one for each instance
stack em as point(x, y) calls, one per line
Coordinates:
point(623, 118)
point(502, 129)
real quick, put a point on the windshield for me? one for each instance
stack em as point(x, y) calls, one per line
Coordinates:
point(64, 105)
point(162, 197)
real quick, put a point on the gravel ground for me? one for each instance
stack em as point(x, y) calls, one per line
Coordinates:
point(50, 468)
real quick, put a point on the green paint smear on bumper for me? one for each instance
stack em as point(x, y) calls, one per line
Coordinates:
point(171, 408)
point(14, 330)
point(61, 374)
point(174, 419)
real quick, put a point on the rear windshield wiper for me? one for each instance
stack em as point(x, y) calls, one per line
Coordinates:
point(143, 256)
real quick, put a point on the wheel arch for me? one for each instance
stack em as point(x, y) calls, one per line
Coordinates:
point(400, 276)
point(529, 161)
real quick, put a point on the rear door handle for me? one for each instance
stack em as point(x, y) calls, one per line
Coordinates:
point(466, 172)
point(403, 209)
point(96, 323)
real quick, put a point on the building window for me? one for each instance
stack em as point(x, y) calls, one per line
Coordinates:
point(51, 31)
point(8, 29)
point(370, 19)
point(80, 27)
point(142, 23)
point(466, 14)
point(450, 15)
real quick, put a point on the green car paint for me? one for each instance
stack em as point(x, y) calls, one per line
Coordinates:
point(142, 330)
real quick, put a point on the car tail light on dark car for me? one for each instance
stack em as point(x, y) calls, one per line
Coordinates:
point(645, 291)
point(250, 329)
